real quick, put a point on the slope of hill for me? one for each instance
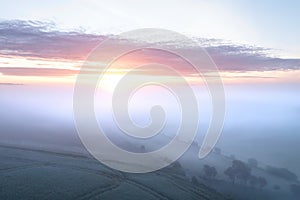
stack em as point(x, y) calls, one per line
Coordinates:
point(39, 174)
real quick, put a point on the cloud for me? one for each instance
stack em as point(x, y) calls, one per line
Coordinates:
point(43, 40)
point(243, 58)
point(40, 39)
point(21, 71)
point(10, 84)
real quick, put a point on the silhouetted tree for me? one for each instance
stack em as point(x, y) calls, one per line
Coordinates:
point(238, 170)
point(282, 173)
point(252, 162)
point(230, 173)
point(243, 172)
point(177, 164)
point(143, 149)
point(195, 181)
point(276, 187)
point(195, 143)
point(177, 168)
point(210, 172)
point(262, 182)
point(217, 150)
point(253, 181)
point(295, 189)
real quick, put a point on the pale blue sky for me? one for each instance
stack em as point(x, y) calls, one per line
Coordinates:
point(270, 24)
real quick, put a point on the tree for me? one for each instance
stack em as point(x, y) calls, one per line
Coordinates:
point(282, 173)
point(143, 148)
point(230, 173)
point(238, 170)
point(295, 189)
point(243, 172)
point(210, 172)
point(177, 168)
point(252, 162)
point(276, 187)
point(262, 182)
point(195, 181)
point(217, 150)
point(253, 181)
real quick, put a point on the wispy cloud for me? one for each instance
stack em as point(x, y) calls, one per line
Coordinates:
point(10, 84)
point(40, 39)
point(243, 58)
point(43, 40)
point(21, 71)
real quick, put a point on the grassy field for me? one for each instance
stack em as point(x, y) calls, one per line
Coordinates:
point(36, 174)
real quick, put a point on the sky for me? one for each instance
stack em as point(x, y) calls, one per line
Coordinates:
point(256, 36)
point(269, 24)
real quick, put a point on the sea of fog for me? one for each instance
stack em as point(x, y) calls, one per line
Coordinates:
point(262, 120)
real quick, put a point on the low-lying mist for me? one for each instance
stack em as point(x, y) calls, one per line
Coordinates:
point(262, 121)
